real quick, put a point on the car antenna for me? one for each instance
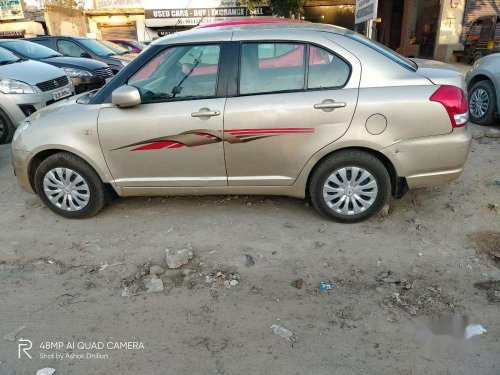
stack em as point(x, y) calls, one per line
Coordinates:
point(178, 19)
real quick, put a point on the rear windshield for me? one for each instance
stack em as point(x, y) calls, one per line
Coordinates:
point(386, 51)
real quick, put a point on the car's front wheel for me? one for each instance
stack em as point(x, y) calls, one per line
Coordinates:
point(350, 186)
point(69, 186)
point(6, 128)
point(482, 101)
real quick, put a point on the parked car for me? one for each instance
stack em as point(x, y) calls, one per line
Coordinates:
point(223, 113)
point(85, 74)
point(483, 38)
point(131, 45)
point(74, 46)
point(25, 87)
point(483, 82)
point(119, 50)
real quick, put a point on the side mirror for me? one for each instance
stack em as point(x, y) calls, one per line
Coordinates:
point(126, 96)
point(86, 55)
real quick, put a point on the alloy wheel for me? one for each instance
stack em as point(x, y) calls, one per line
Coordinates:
point(350, 190)
point(66, 189)
point(3, 128)
point(479, 103)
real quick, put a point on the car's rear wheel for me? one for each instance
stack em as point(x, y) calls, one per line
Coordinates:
point(6, 128)
point(482, 101)
point(350, 186)
point(69, 186)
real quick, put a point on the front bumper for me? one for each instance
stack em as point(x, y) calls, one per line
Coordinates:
point(20, 162)
point(11, 103)
point(84, 84)
point(430, 161)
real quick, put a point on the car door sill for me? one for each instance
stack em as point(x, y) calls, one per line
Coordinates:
point(291, 191)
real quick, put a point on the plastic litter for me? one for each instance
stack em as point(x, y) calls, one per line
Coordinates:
point(474, 330)
point(284, 333)
point(326, 285)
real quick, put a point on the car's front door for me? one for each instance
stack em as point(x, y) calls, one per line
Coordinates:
point(174, 138)
point(294, 98)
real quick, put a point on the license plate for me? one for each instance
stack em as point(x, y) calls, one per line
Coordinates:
point(61, 94)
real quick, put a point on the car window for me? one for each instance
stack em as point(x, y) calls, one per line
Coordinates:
point(68, 48)
point(271, 67)
point(44, 42)
point(183, 72)
point(30, 50)
point(96, 47)
point(326, 70)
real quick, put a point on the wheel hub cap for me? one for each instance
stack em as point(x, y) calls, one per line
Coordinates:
point(66, 189)
point(350, 190)
point(479, 103)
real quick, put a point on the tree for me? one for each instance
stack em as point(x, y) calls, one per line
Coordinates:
point(280, 8)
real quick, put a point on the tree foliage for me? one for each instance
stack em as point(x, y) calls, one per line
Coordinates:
point(280, 8)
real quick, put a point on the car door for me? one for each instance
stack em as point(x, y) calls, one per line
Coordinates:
point(174, 138)
point(293, 99)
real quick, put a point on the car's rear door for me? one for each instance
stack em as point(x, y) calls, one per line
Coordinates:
point(174, 138)
point(294, 96)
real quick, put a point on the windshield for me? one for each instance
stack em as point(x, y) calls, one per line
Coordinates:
point(114, 47)
point(96, 47)
point(386, 51)
point(30, 50)
point(7, 57)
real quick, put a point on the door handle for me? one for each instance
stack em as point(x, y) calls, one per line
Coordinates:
point(329, 104)
point(205, 112)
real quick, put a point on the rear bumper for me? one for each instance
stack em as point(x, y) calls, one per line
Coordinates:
point(430, 161)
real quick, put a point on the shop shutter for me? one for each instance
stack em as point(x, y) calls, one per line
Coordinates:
point(118, 31)
point(478, 8)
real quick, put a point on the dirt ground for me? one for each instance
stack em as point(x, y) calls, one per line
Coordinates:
point(62, 281)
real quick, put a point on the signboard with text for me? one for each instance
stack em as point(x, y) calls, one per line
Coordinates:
point(366, 10)
point(11, 10)
point(194, 12)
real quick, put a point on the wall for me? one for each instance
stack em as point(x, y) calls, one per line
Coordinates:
point(63, 21)
point(448, 36)
point(142, 34)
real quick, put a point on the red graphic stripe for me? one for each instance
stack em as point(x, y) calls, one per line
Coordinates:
point(158, 146)
point(269, 131)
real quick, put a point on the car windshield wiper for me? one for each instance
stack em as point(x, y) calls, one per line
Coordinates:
point(48, 57)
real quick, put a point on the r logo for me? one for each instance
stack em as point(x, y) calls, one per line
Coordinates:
point(25, 345)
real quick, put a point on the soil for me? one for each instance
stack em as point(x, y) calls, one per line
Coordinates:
point(63, 279)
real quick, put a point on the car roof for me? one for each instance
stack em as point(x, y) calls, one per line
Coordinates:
point(215, 32)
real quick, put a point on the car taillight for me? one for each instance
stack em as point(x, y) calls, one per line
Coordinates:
point(454, 100)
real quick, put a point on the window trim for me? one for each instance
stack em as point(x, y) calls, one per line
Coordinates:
point(305, 88)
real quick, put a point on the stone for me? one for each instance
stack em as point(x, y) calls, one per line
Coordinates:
point(156, 270)
point(477, 134)
point(178, 258)
point(492, 133)
point(384, 211)
point(153, 284)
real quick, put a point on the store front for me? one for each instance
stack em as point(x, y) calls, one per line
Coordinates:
point(333, 12)
point(166, 16)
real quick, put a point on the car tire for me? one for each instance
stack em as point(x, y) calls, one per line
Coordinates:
point(83, 193)
point(482, 103)
point(6, 128)
point(351, 177)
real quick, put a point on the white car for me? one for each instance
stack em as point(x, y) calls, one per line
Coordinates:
point(25, 87)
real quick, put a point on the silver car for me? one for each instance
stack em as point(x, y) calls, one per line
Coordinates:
point(483, 83)
point(25, 87)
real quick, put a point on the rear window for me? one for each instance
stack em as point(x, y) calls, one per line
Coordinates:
point(387, 52)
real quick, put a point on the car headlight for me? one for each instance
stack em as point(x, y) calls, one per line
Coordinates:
point(11, 86)
point(76, 73)
point(25, 125)
point(124, 63)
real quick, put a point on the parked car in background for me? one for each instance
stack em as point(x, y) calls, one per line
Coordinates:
point(118, 49)
point(25, 87)
point(483, 38)
point(86, 74)
point(483, 82)
point(131, 45)
point(75, 46)
point(232, 110)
